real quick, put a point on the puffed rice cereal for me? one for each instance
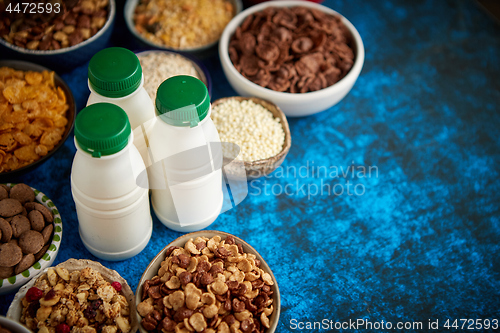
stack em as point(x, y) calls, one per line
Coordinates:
point(251, 127)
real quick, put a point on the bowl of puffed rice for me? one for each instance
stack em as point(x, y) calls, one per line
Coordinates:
point(303, 56)
point(210, 281)
point(190, 26)
point(254, 134)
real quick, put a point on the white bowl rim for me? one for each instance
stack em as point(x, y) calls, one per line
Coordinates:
point(344, 83)
point(9, 323)
point(43, 263)
point(200, 233)
point(109, 21)
point(129, 21)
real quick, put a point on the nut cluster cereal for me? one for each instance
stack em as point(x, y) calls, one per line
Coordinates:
point(80, 302)
point(76, 21)
point(210, 285)
point(32, 116)
point(182, 24)
point(294, 50)
point(251, 127)
point(25, 229)
point(159, 66)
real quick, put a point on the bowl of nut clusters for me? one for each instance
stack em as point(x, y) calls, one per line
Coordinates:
point(30, 234)
point(208, 281)
point(58, 34)
point(192, 26)
point(78, 296)
point(302, 56)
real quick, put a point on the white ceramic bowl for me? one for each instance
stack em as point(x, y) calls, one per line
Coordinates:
point(15, 308)
point(13, 283)
point(153, 267)
point(293, 105)
point(13, 325)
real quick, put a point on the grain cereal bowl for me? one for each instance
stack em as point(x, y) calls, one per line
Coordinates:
point(215, 273)
point(300, 55)
point(254, 135)
point(180, 25)
point(42, 215)
point(159, 65)
point(67, 36)
point(105, 297)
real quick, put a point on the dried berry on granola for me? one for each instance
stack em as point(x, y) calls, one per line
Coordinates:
point(221, 289)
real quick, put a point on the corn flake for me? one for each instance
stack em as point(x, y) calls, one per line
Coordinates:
point(32, 116)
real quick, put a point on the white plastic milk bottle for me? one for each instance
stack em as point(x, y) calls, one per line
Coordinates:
point(115, 76)
point(113, 211)
point(186, 177)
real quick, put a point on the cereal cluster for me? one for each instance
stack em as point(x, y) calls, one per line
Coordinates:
point(210, 285)
point(25, 229)
point(251, 127)
point(80, 302)
point(77, 21)
point(182, 24)
point(159, 66)
point(294, 50)
point(32, 116)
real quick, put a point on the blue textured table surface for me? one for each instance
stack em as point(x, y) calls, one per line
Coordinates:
point(416, 236)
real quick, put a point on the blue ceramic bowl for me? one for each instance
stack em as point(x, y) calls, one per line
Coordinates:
point(65, 58)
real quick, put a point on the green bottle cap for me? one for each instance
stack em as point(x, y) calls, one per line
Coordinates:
point(102, 129)
point(182, 101)
point(115, 72)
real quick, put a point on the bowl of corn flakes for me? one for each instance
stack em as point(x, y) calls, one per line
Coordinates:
point(181, 25)
point(37, 113)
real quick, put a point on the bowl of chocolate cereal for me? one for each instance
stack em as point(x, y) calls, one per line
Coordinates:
point(300, 55)
point(58, 34)
point(209, 281)
point(31, 233)
point(188, 26)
